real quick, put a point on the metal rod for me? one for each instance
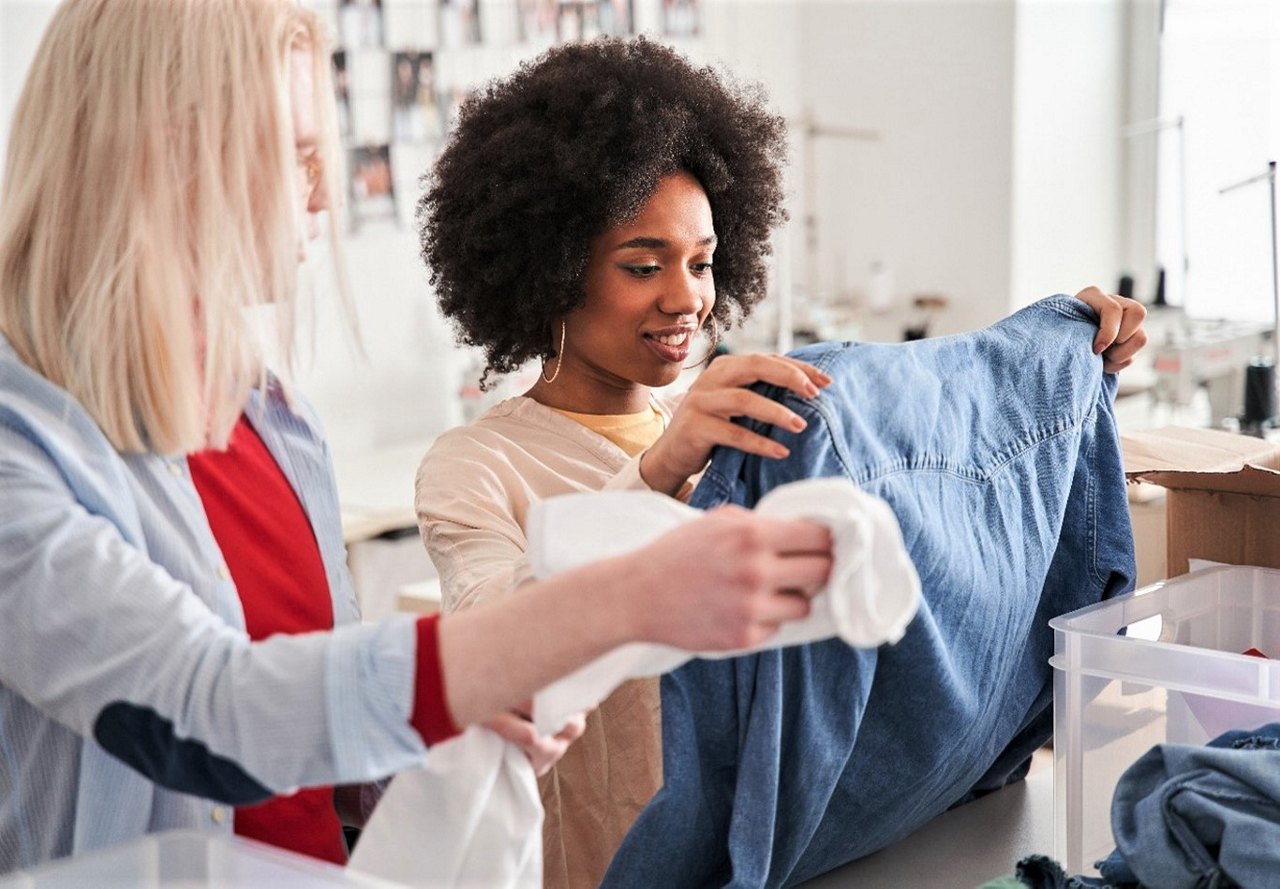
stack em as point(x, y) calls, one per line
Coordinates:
point(862, 135)
point(1159, 125)
point(1252, 179)
point(1270, 177)
point(1154, 125)
point(1275, 274)
point(1182, 211)
point(810, 209)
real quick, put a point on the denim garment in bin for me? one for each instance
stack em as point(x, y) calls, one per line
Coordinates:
point(998, 452)
point(1189, 817)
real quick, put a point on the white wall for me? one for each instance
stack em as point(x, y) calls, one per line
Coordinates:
point(403, 386)
point(1068, 155)
point(998, 176)
point(1141, 103)
point(1221, 70)
point(931, 199)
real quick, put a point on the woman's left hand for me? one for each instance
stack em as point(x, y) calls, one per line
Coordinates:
point(1120, 334)
point(543, 751)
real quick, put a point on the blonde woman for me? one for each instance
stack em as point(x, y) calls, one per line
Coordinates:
point(178, 638)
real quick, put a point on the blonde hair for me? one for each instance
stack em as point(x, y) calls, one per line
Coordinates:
point(150, 198)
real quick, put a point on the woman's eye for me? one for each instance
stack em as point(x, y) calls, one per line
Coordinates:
point(641, 271)
point(701, 268)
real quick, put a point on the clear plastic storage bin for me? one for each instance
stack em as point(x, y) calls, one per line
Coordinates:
point(1178, 675)
point(189, 859)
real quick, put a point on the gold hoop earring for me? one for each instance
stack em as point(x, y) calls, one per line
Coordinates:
point(715, 341)
point(559, 358)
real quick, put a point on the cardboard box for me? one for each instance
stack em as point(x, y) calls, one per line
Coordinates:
point(1223, 501)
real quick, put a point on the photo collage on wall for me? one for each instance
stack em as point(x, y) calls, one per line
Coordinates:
point(391, 102)
point(403, 68)
point(587, 19)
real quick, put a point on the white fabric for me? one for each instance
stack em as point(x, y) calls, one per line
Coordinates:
point(472, 817)
point(870, 598)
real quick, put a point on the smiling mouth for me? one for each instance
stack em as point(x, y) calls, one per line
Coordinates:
point(672, 347)
point(674, 340)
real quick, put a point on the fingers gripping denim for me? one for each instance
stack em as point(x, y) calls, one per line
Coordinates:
point(998, 453)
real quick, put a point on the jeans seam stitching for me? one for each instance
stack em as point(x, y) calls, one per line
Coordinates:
point(981, 475)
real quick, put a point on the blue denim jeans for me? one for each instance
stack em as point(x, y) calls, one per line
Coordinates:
point(1188, 817)
point(998, 453)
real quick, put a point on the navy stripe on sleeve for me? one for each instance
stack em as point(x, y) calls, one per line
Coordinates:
point(145, 741)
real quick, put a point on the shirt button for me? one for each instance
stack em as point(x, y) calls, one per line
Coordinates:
point(219, 814)
point(223, 573)
point(175, 469)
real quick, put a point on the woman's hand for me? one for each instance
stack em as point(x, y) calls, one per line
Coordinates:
point(728, 579)
point(543, 751)
point(725, 580)
point(1120, 334)
point(704, 418)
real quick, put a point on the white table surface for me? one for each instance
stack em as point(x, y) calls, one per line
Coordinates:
point(965, 847)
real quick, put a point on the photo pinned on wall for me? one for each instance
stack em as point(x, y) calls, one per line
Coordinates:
point(414, 109)
point(372, 189)
point(459, 22)
point(681, 18)
point(342, 93)
point(587, 19)
point(537, 19)
point(360, 23)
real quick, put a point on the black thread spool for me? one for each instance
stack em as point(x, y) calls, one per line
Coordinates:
point(1125, 287)
point(1259, 396)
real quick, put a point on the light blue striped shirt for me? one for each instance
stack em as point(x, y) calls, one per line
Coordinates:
point(120, 628)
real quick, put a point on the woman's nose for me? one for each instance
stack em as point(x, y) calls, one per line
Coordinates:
point(683, 294)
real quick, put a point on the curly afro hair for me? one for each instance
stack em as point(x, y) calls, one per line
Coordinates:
point(574, 143)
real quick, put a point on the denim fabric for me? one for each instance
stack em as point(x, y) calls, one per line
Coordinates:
point(1000, 458)
point(1188, 817)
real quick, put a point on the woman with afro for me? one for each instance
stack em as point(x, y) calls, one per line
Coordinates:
point(596, 211)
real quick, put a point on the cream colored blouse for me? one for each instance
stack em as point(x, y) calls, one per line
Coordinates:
point(474, 490)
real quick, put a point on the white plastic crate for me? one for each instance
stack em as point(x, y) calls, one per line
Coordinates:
point(189, 859)
point(1179, 675)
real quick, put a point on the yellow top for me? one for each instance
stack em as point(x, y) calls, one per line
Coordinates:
point(633, 433)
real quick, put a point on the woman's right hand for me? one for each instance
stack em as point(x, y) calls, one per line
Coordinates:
point(728, 579)
point(725, 580)
point(704, 418)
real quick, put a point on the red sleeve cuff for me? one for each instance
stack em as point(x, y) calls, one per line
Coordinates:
point(431, 715)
